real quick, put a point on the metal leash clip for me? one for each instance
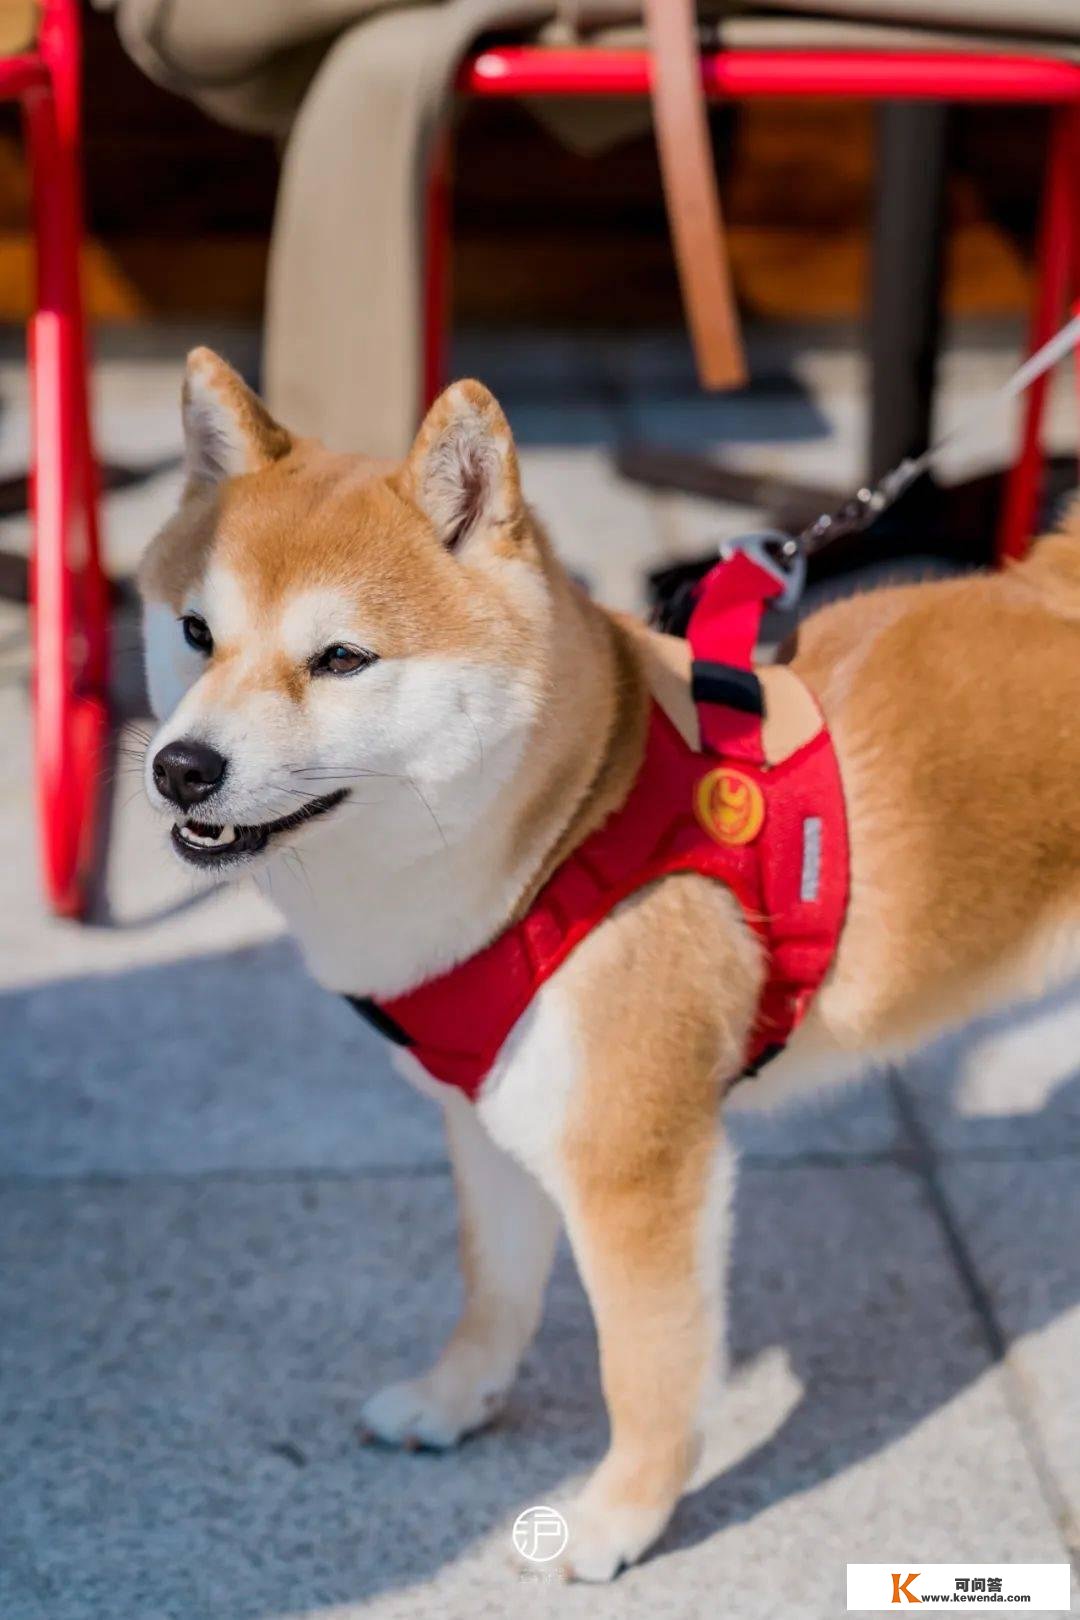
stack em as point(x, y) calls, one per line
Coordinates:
point(781, 555)
point(862, 510)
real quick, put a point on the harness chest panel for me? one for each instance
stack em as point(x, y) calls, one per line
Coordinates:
point(774, 834)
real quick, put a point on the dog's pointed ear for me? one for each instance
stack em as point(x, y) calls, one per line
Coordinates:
point(227, 429)
point(462, 471)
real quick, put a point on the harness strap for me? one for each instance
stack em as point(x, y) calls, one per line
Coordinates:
point(774, 834)
point(723, 633)
point(730, 602)
point(380, 1020)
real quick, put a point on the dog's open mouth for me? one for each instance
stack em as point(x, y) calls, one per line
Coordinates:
point(205, 843)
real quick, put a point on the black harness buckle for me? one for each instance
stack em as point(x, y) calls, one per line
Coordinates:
point(380, 1021)
point(727, 684)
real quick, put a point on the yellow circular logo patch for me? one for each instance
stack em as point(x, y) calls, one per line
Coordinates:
point(729, 805)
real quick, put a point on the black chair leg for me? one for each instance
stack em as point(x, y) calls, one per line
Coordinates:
point(905, 298)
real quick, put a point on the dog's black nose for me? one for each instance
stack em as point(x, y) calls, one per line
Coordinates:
point(186, 772)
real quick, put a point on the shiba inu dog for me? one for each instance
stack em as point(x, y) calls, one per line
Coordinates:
point(381, 696)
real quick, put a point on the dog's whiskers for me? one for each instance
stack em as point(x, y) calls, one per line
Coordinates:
point(302, 870)
point(293, 793)
point(324, 774)
point(109, 778)
point(305, 798)
point(430, 811)
point(476, 732)
point(320, 773)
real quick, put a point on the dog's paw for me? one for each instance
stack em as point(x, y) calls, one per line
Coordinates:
point(434, 1412)
point(605, 1538)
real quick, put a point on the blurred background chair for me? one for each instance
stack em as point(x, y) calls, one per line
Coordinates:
point(905, 300)
point(356, 302)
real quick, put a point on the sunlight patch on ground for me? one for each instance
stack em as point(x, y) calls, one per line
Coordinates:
point(1016, 1070)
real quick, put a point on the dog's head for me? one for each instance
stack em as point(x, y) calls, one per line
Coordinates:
point(326, 632)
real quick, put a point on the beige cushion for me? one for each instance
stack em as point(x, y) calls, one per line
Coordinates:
point(250, 61)
point(216, 40)
point(1054, 19)
point(761, 31)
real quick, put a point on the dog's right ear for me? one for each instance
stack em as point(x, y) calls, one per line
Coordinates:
point(227, 429)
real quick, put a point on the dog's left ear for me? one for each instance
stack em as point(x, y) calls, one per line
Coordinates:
point(462, 471)
point(227, 428)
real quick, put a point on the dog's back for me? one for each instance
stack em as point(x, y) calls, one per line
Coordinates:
point(954, 709)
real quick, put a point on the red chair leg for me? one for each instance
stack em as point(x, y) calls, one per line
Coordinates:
point(1056, 272)
point(69, 594)
point(1076, 359)
point(436, 271)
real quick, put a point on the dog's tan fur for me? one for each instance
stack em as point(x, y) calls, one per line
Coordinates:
point(950, 708)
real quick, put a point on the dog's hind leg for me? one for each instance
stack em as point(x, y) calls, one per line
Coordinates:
point(507, 1228)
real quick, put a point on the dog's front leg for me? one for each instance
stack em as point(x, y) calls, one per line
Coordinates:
point(613, 1095)
point(507, 1229)
point(650, 1242)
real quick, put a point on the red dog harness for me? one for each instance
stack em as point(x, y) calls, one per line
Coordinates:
point(775, 835)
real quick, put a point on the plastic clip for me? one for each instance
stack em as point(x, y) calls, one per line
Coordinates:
point(780, 555)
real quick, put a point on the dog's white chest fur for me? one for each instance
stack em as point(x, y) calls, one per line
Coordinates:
point(371, 929)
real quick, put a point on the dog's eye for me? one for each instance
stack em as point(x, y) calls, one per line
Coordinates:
point(197, 633)
point(341, 660)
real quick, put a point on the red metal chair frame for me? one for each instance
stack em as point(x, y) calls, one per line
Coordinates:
point(521, 71)
point(67, 588)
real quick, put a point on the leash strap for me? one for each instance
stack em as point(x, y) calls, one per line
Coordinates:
point(867, 504)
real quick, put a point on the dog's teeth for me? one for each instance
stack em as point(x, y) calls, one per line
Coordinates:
point(209, 837)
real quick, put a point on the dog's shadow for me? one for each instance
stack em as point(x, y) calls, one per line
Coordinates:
point(870, 1290)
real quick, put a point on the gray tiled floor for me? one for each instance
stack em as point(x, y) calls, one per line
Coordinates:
point(1021, 1223)
point(1012, 1082)
point(183, 1359)
point(222, 1222)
